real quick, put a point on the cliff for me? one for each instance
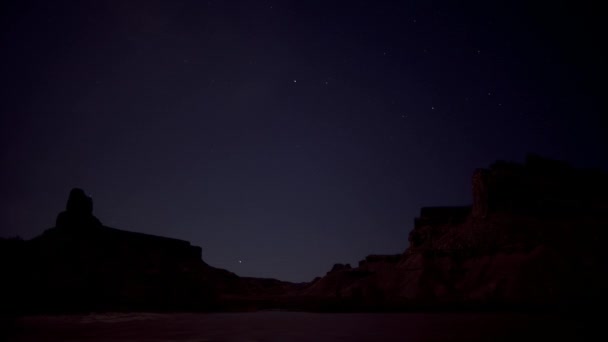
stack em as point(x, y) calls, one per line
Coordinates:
point(534, 237)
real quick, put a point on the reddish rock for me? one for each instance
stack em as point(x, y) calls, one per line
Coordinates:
point(534, 237)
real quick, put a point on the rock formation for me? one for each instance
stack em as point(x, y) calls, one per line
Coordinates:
point(533, 238)
point(80, 265)
point(480, 193)
point(78, 212)
point(340, 267)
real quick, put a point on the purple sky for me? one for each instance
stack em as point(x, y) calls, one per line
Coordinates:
point(289, 135)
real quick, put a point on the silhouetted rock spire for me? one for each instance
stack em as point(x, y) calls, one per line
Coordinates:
point(78, 212)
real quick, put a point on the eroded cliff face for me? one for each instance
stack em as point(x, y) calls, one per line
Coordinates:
point(534, 237)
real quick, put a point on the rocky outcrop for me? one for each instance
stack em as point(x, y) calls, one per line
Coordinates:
point(543, 187)
point(433, 221)
point(441, 215)
point(81, 265)
point(480, 193)
point(533, 237)
point(340, 267)
point(78, 213)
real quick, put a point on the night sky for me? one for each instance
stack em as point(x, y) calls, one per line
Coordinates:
point(285, 136)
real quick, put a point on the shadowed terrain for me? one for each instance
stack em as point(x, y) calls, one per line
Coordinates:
point(81, 265)
point(301, 326)
point(533, 238)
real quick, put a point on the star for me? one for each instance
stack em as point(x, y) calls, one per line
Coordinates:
point(294, 81)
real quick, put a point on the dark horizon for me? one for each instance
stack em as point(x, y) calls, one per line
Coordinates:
point(285, 137)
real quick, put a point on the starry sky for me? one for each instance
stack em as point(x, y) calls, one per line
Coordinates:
point(285, 136)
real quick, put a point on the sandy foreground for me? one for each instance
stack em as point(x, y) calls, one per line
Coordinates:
point(298, 326)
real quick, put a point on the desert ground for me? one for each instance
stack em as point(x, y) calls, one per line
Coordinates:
point(299, 326)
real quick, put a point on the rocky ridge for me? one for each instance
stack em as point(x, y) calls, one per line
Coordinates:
point(534, 237)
